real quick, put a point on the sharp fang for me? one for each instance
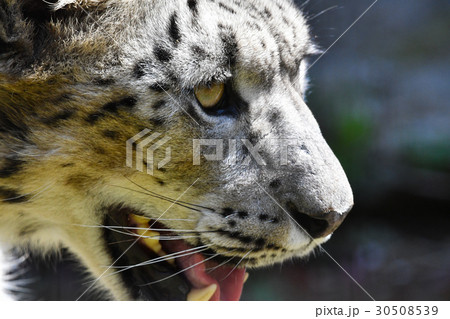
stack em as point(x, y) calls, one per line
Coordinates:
point(140, 220)
point(246, 277)
point(149, 238)
point(202, 294)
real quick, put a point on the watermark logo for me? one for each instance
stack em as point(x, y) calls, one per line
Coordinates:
point(146, 144)
point(278, 147)
point(279, 152)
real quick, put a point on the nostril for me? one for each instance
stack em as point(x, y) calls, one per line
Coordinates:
point(313, 226)
point(316, 224)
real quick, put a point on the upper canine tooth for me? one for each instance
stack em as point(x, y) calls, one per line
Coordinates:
point(141, 221)
point(150, 238)
point(246, 275)
point(202, 294)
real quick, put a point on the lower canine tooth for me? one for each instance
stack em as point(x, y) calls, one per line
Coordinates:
point(202, 294)
point(246, 277)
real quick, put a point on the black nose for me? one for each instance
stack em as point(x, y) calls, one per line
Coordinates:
point(317, 225)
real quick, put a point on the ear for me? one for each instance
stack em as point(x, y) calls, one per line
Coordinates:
point(37, 10)
point(24, 26)
point(20, 26)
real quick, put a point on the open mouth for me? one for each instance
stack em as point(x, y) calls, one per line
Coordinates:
point(156, 264)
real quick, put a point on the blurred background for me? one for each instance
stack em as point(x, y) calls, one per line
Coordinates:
point(381, 95)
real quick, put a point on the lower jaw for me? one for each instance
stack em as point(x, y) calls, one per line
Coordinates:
point(164, 280)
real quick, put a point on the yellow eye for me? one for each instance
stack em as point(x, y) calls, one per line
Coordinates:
point(209, 96)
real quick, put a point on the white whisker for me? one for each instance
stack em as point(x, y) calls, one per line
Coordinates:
point(36, 192)
point(142, 228)
point(237, 264)
point(221, 264)
point(178, 254)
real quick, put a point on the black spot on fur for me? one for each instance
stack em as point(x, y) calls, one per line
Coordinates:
point(237, 235)
point(253, 25)
point(305, 149)
point(198, 52)
point(61, 116)
point(267, 13)
point(242, 214)
point(160, 181)
point(263, 217)
point(174, 30)
point(234, 234)
point(254, 138)
point(245, 239)
point(139, 69)
point(192, 4)
point(230, 46)
point(128, 102)
point(94, 117)
point(12, 196)
point(227, 8)
point(14, 127)
point(162, 54)
point(113, 107)
point(244, 150)
point(284, 68)
point(276, 183)
point(104, 82)
point(10, 167)
point(67, 165)
point(274, 118)
point(156, 121)
point(159, 87)
point(260, 242)
point(111, 134)
point(158, 105)
point(232, 223)
point(227, 212)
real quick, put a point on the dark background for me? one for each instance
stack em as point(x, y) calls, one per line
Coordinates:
point(381, 95)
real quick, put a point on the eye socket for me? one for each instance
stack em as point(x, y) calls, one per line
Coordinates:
point(209, 96)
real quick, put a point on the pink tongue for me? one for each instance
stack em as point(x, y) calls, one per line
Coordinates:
point(230, 281)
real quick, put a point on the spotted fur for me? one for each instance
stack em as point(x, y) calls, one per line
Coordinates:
point(78, 78)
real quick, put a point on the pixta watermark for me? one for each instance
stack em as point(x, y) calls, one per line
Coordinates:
point(234, 151)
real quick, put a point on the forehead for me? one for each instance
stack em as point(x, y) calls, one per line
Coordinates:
point(202, 40)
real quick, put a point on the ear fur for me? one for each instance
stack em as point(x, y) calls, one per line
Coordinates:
point(37, 10)
point(24, 27)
